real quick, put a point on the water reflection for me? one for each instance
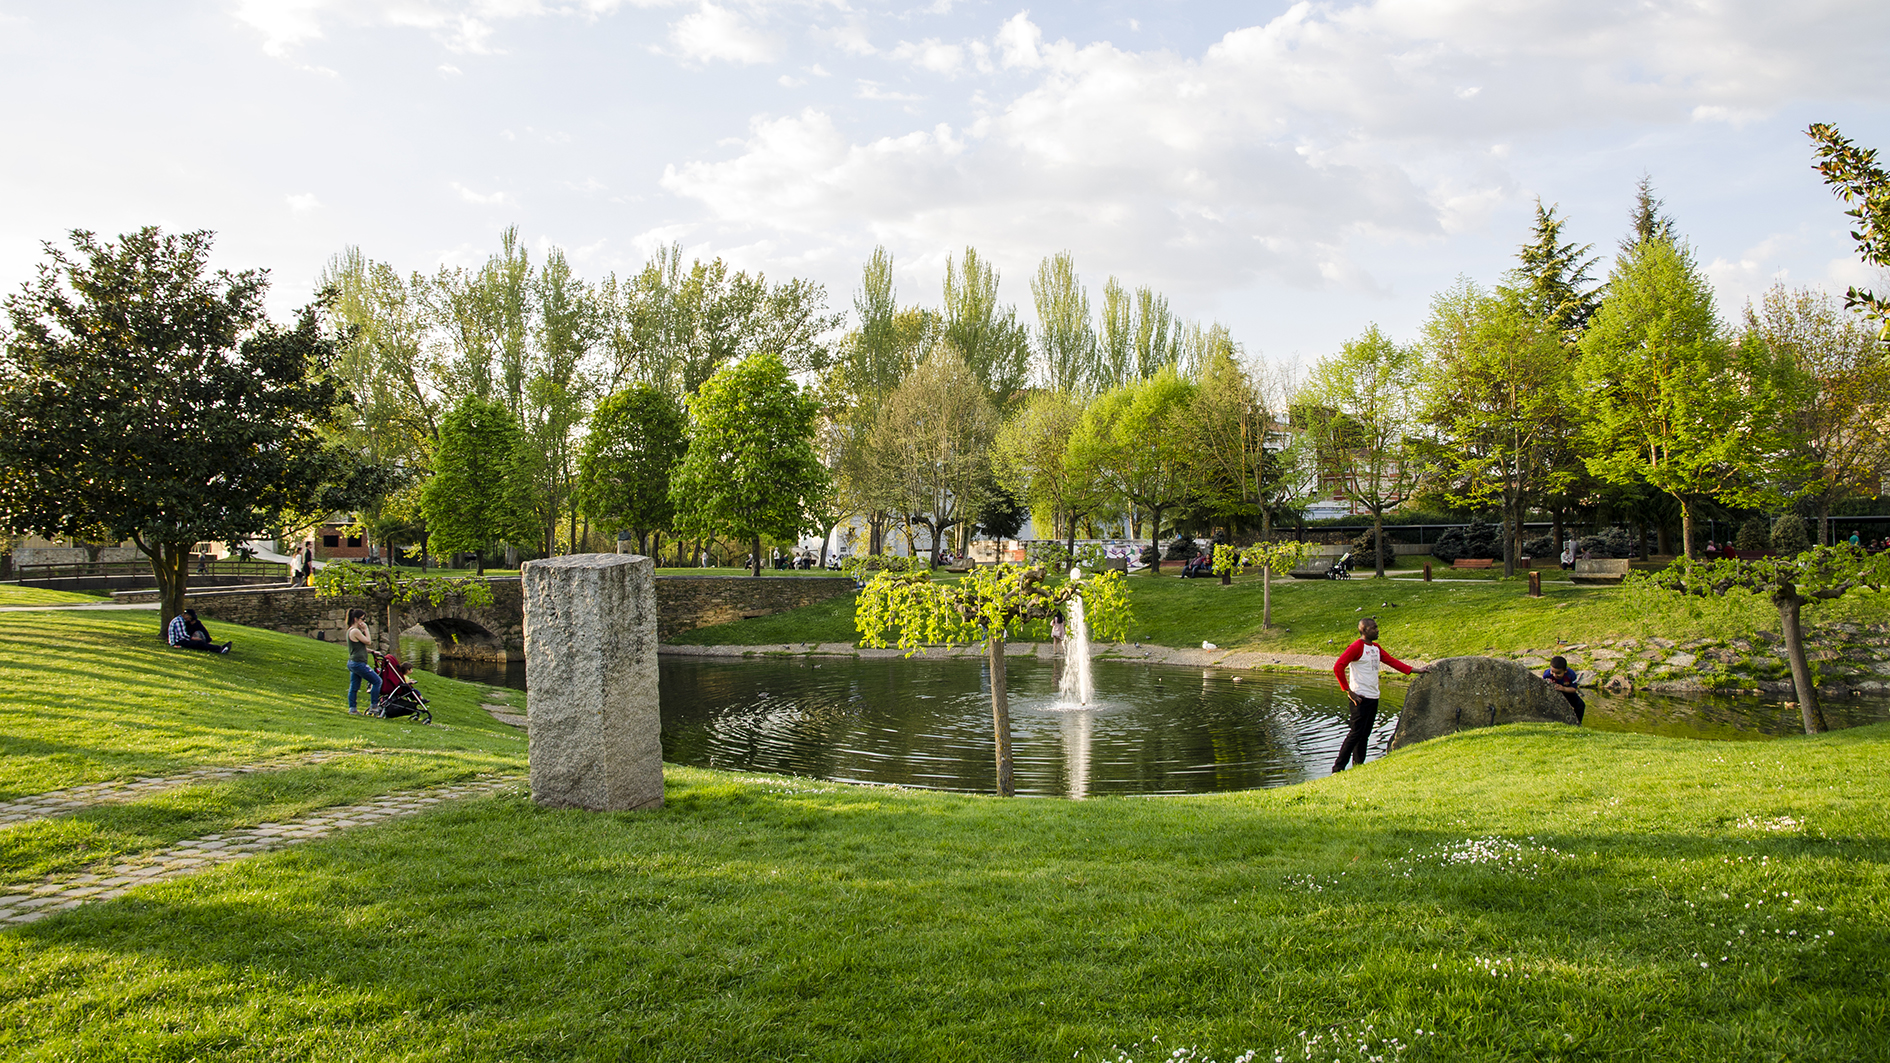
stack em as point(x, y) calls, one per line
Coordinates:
point(424, 653)
point(1152, 730)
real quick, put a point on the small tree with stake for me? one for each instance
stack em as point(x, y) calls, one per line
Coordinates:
point(910, 610)
point(1819, 574)
point(1273, 557)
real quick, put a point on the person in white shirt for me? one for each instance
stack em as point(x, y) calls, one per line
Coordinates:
point(1357, 670)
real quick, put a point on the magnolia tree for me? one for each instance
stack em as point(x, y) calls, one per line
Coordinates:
point(911, 610)
point(1819, 574)
point(388, 588)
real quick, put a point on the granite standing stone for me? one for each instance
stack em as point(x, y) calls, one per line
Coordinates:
point(594, 732)
point(1464, 692)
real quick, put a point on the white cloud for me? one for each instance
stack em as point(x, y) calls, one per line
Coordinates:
point(931, 54)
point(460, 25)
point(789, 81)
point(302, 204)
point(714, 32)
point(493, 199)
point(449, 69)
point(1280, 147)
point(871, 90)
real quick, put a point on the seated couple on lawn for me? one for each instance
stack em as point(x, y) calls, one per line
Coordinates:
point(188, 633)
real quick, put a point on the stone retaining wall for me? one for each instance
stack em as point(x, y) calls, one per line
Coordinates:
point(497, 631)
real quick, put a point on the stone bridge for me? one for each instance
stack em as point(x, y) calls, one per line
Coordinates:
point(497, 631)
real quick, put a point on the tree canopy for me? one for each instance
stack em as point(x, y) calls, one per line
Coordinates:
point(147, 397)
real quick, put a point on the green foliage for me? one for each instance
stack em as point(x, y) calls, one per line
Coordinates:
point(911, 610)
point(993, 343)
point(387, 583)
point(1754, 534)
point(858, 567)
point(1789, 537)
point(1853, 173)
point(1275, 557)
point(637, 438)
point(474, 498)
point(750, 469)
point(147, 398)
point(1552, 281)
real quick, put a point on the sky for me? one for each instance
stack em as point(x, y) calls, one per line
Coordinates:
point(1295, 171)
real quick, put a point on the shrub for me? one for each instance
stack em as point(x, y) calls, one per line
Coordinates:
point(1615, 542)
point(1789, 536)
point(1753, 535)
point(1542, 547)
point(1183, 549)
point(1479, 540)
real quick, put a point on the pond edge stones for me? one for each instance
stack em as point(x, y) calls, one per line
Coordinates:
point(594, 729)
point(1464, 692)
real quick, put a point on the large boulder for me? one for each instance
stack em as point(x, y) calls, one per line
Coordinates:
point(1463, 692)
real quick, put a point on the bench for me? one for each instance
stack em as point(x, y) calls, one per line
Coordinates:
point(1472, 562)
point(1600, 570)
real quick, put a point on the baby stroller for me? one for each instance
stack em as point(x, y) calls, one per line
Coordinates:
point(1342, 568)
point(399, 697)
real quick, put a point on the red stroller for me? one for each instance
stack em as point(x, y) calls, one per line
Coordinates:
point(399, 697)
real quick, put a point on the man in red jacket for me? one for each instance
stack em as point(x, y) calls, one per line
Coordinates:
point(1357, 669)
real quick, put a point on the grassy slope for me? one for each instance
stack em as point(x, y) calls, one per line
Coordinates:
point(760, 917)
point(14, 594)
point(94, 696)
point(1429, 620)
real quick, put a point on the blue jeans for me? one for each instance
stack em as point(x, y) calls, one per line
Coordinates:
point(359, 673)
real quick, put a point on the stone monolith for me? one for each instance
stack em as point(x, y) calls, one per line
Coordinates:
point(1463, 692)
point(593, 726)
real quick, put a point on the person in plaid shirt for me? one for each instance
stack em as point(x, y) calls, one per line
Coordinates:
point(187, 633)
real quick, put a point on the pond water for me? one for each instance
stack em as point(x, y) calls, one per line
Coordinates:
point(1154, 730)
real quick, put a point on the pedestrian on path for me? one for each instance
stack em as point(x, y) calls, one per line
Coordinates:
point(361, 663)
point(1357, 669)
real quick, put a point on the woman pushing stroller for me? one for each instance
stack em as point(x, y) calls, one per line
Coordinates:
point(361, 662)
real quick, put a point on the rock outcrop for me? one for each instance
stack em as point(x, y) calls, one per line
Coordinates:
point(1464, 692)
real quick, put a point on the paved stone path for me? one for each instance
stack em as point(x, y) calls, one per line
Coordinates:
point(29, 901)
point(70, 800)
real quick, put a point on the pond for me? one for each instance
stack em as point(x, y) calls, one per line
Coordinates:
point(1155, 730)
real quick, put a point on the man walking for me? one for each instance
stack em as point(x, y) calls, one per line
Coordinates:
point(1357, 670)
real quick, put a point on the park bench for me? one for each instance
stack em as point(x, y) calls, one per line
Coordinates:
point(1472, 562)
point(1600, 570)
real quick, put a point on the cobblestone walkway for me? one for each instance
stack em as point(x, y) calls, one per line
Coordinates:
point(64, 802)
point(26, 902)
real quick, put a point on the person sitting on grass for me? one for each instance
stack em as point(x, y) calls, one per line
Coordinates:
point(1359, 664)
point(186, 632)
point(1566, 683)
point(361, 663)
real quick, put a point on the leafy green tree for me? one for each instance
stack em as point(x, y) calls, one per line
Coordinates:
point(1136, 441)
point(933, 445)
point(1819, 574)
point(1360, 407)
point(911, 611)
point(1853, 173)
point(993, 343)
point(1838, 394)
point(1646, 223)
point(1670, 401)
point(637, 439)
point(1032, 459)
point(1496, 386)
point(567, 327)
point(1137, 335)
point(474, 498)
point(750, 470)
point(1066, 341)
point(148, 398)
point(1552, 281)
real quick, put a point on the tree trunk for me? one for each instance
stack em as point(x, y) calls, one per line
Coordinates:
point(1378, 542)
point(390, 635)
point(1001, 715)
point(1155, 536)
point(1824, 520)
point(170, 566)
point(1788, 602)
point(1557, 534)
point(479, 562)
point(1686, 530)
point(1266, 597)
point(755, 570)
point(1509, 541)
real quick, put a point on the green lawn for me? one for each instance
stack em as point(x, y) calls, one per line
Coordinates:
point(1534, 892)
point(1439, 619)
point(14, 594)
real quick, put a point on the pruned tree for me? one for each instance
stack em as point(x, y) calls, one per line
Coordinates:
point(1271, 558)
point(147, 398)
point(988, 336)
point(1820, 574)
point(1031, 456)
point(750, 470)
point(911, 611)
